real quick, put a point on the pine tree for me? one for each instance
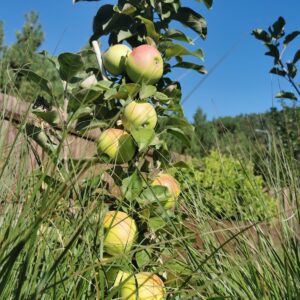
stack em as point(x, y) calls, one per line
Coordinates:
point(22, 54)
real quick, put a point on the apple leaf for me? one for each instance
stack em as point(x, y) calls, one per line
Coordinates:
point(290, 37)
point(153, 194)
point(296, 57)
point(51, 117)
point(278, 71)
point(178, 35)
point(129, 90)
point(143, 257)
point(150, 27)
point(143, 137)
point(127, 9)
point(261, 35)
point(175, 122)
point(42, 139)
point(43, 83)
point(193, 20)
point(171, 50)
point(277, 29)
point(80, 112)
point(191, 66)
point(147, 91)
point(161, 96)
point(132, 186)
point(108, 21)
point(286, 95)
point(92, 124)
point(70, 64)
point(180, 135)
point(156, 223)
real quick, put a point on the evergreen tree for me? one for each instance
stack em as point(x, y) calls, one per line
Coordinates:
point(1, 38)
point(21, 55)
point(204, 135)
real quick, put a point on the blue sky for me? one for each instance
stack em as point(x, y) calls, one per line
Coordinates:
point(239, 84)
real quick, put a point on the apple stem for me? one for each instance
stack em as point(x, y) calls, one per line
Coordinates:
point(99, 58)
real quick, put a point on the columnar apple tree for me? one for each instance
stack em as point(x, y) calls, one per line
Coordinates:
point(127, 92)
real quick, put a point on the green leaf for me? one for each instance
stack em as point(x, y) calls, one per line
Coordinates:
point(42, 139)
point(70, 64)
point(83, 97)
point(51, 117)
point(192, 66)
point(43, 83)
point(143, 257)
point(111, 94)
point(155, 193)
point(103, 85)
point(290, 37)
point(178, 35)
point(107, 21)
point(156, 223)
point(180, 135)
point(127, 9)
point(208, 3)
point(80, 112)
point(292, 69)
point(262, 35)
point(193, 20)
point(286, 95)
point(161, 96)
point(93, 124)
point(151, 31)
point(278, 71)
point(296, 57)
point(124, 34)
point(177, 122)
point(128, 90)
point(181, 164)
point(147, 91)
point(172, 50)
point(143, 137)
point(132, 186)
point(274, 52)
point(276, 29)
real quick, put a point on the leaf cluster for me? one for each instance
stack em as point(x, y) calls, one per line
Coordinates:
point(276, 41)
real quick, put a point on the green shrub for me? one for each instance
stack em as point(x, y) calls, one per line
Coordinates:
point(228, 188)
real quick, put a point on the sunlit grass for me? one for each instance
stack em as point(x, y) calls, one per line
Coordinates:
point(51, 238)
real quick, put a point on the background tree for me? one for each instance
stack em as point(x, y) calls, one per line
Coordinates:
point(1, 38)
point(22, 54)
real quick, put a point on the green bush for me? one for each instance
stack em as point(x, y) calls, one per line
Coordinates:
point(228, 188)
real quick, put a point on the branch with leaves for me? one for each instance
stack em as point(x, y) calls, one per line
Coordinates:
point(277, 41)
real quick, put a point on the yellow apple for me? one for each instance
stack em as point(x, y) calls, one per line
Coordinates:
point(121, 231)
point(114, 58)
point(139, 115)
point(145, 64)
point(142, 286)
point(171, 184)
point(117, 144)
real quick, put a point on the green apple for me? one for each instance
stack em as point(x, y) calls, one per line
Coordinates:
point(145, 64)
point(142, 286)
point(139, 115)
point(121, 231)
point(171, 184)
point(117, 144)
point(114, 58)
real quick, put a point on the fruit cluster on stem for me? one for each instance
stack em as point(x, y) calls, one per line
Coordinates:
point(142, 65)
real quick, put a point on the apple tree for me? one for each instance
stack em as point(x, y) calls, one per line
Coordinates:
point(128, 93)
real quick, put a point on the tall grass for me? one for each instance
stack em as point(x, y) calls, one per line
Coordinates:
point(50, 249)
